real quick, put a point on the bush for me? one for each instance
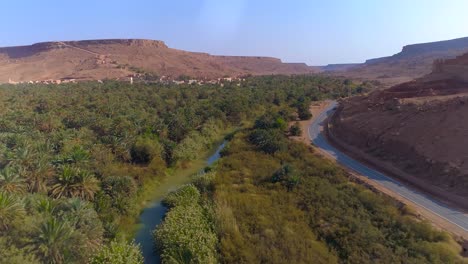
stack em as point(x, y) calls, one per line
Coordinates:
point(120, 190)
point(118, 253)
point(187, 233)
point(303, 110)
point(190, 147)
point(295, 130)
point(268, 141)
point(287, 176)
point(270, 121)
point(185, 196)
point(145, 149)
point(13, 255)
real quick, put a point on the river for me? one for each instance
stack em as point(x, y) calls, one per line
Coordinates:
point(154, 213)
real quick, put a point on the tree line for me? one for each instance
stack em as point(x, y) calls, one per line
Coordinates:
point(75, 159)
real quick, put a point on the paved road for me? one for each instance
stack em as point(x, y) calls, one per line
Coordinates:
point(315, 133)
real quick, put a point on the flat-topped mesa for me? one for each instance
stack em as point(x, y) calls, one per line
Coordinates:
point(126, 42)
point(51, 45)
point(37, 46)
point(276, 60)
point(29, 50)
point(455, 44)
point(118, 58)
point(25, 51)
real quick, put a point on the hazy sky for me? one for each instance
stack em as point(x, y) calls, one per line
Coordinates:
point(313, 31)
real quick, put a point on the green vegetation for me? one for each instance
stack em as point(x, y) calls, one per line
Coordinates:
point(76, 160)
point(295, 130)
point(187, 234)
point(291, 206)
point(270, 200)
point(118, 253)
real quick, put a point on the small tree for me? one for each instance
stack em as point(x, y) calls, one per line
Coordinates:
point(271, 121)
point(295, 130)
point(303, 111)
point(287, 176)
point(268, 141)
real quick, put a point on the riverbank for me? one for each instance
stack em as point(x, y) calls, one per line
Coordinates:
point(155, 212)
point(157, 188)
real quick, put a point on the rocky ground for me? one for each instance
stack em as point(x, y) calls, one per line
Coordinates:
point(117, 58)
point(420, 127)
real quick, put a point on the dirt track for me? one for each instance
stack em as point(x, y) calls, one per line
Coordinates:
point(315, 109)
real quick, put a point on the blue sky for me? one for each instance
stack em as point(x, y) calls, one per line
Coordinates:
point(313, 31)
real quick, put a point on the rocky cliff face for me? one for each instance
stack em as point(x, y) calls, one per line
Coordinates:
point(419, 126)
point(439, 46)
point(455, 69)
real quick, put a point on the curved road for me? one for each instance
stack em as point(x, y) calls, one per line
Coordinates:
point(451, 215)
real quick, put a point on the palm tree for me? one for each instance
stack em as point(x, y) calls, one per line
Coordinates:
point(73, 182)
point(22, 156)
point(64, 183)
point(11, 181)
point(78, 154)
point(39, 176)
point(87, 185)
point(10, 209)
point(82, 216)
point(51, 241)
point(46, 205)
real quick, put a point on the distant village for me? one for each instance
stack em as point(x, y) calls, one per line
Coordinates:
point(10, 81)
point(140, 78)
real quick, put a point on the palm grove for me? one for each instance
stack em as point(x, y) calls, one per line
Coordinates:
point(78, 159)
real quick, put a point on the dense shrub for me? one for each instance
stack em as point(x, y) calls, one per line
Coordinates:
point(185, 196)
point(294, 207)
point(295, 130)
point(118, 252)
point(13, 255)
point(187, 233)
point(145, 149)
point(270, 121)
point(117, 198)
point(303, 111)
point(268, 141)
point(287, 176)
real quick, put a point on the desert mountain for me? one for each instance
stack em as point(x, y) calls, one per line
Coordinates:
point(412, 62)
point(419, 126)
point(116, 58)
